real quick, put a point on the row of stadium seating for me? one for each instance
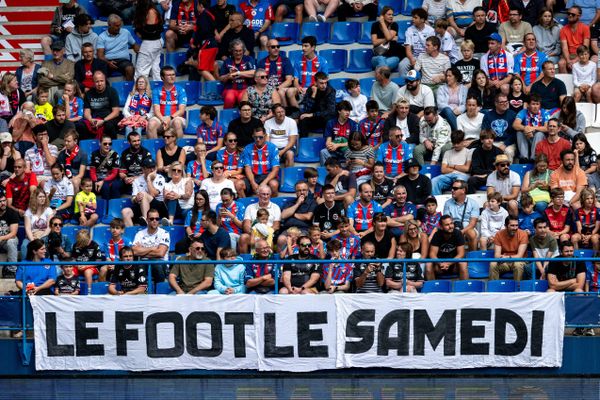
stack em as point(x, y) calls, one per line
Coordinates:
point(474, 286)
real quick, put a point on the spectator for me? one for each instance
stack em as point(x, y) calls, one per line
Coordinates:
point(361, 212)
point(510, 242)
point(447, 243)
point(416, 34)
point(260, 278)
point(572, 121)
point(37, 280)
point(400, 211)
point(402, 117)
point(436, 9)
point(192, 278)
point(416, 237)
point(335, 277)
point(22, 125)
point(168, 103)
point(432, 64)
point(459, 14)
point(216, 184)
point(264, 201)
point(464, 212)
point(73, 159)
point(87, 66)
point(500, 120)
point(381, 238)
point(11, 97)
point(320, 10)
point(230, 156)
point(55, 72)
point(482, 90)
point(560, 217)
point(468, 64)
point(147, 194)
point(243, 126)
point(214, 237)
point(82, 33)
point(43, 109)
point(505, 182)
point(566, 276)
point(72, 104)
point(537, 183)
point(382, 185)
point(586, 222)
point(101, 109)
point(514, 30)
point(231, 215)
point(328, 213)
point(317, 106)
point(551, 90)
point(236, 74)
point(37, 219)
point(547, 33)
point(301, 278)
point(585, 156)
point(528, 64)
point(360, 157)
point(295, 7)
point(456, 164)
point(40, 157)
point(27, 73)
point(132, 160)
point(261, 163)
point(86, 205)
point(315, 189)
point(572, 35)
point(282, 131)
point(447, 44)
point(434, 137)
point(297, 214)
point(67, 283)
point(350, 242)
point(60, 192)
point(553, 145)
point(62, 23)
point(148, 24)
point(113, 47)
point(279, 70)
point(337, 133)
point(138, 107)
point(497, 63)
point(493, 218)
point(169, 154)
point(530, 124)
point(192, 223)
point(418, 186)
point(470, 122)
point(584, 75)
point(9, 243)
point(152, 243)
point(394, 273)
point(357, 100)
point(342, 180)
point(20, 187)
point(86, 250)
point(480, 31)
point(384, 38)
point(569, 178)
point(369, 277)
point(131, 279)
point(237, 31)
point(8, 156)
point(112, 248)
point(517, 99)
point(202, 54)
point(452, 97)
point(229, 278)
point(542, 245)
point(384, 91)
point(178, 194)
point(261, 96)
point(258, 16)
point(181, 24)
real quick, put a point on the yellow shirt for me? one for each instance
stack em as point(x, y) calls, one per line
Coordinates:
point(84, 198)
point(44, 112)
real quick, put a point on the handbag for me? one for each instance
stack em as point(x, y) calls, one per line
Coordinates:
point(381, 49)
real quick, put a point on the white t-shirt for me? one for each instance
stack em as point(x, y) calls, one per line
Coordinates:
point(179, 188)
point(64, 188)
point(359, 106)
point(424, 98)
point(273, 209)
point(140, 185)
point(279, 134)
point(160, 237)
point(39, 222)
point(417, 38)
point(470, 126)
point(38, 162)
point(214, 191)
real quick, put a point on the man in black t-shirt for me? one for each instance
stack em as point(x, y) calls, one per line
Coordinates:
point(327, 214)
point(301, 278)
point(132, 159)
point(244, 125)
point(101, 109)
point(369, 277)
point(9, 224)
point(566, 276)
point(132, 279)
point(382, 186)
point(221, 11)
point(58, 126)
point(447, 242)
point(418, 186)
point(104, 170)
point(342, 180)
point(480, 31)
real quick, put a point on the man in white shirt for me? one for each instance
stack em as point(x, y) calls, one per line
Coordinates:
point(147, 193)
point(434, 137)
point(282, 131)
point(264, 201)
point(455, 164)
point(416, 35)
point(42, 156)
point(419, 96)
point(152, 243)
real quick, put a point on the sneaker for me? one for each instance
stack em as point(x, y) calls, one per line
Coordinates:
point(312, 18)
point(589, 332)
point(18, 335)
point(321, 18)
point(166, 222)
point(578, 332)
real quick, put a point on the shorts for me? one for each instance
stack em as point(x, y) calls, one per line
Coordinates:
point(183, 40)
point(82, 268)
point(122, 64)
point(181, 119)
point(453, 270)
point(257, 178)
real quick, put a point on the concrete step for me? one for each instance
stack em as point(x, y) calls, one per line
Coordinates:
point(24, 15)
point(25, 28)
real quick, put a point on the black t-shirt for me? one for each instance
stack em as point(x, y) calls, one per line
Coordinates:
point(516, 103)
point(301, 272)
point(480, 37)
point(104, 168)
point(56, 131)
point(344, 183)
point(132, 162)
point(130, 277)
point(101, 104)
point(307, 206)
point(382, 248)
point(383, 191)
point(413, 272)
point(67, 285)
point(80, 158)
point(89, 253)
point(221, 15)
point(376, 30)
point(7, 219)
point(447, 246)
point(213, 242)
point(566, 272)
point(370, 285)
point(417, 191)
point(328, 218)
point(244, 131)
point(550, 94)
point(467, 68)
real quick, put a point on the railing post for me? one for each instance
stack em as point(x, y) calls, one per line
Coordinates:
point(150, 283)
point(25, 348)
point(403, 276)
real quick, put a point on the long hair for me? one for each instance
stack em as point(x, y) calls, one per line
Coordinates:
point(568, 112)
point(134, 89)
point(32, 247)
point(33, 205)
point(5, 81)
point(582, 138)
point(142, 8)
point(196, 211)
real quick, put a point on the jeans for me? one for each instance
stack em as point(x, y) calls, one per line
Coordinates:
point(449, 116)
point(404, 66)
point(175, 209)
point(540, 207)
point(443, 182)
point(111, 189)
point(391, 62)
point(527, 145)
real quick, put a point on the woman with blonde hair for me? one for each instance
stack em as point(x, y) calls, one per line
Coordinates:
point(37, 218)
point(178, 193)
point(11, 96)
point(85, 249)
point(138, 107)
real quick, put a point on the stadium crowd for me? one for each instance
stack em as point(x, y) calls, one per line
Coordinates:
point(462, 117)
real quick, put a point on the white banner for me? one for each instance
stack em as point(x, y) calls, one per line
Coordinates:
point(298, 333)
point(442, 330)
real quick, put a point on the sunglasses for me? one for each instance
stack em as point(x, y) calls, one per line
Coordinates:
point(198, 247)
point(456, 187)
point(275, 47)
point(168, 136)
point(262, 77)
point(177, 170)
point(57, 224)
point(572, 15)
point(153, 218)
point(107, 144)
point(218, 167)
point(504, 164)
point(304, 245)
point(232, 140)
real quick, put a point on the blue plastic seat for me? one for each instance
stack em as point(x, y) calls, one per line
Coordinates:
point(187, 142)
point(177, 232)
point(431, 170)
point(101, 207)
point(521, 169)
point(586, 253)
point(533, 286)
point(175, 58)
point(338, 83)
point(322, 171)
point(192, 91)
point(210, 94)
point(99, 288)
point(366, 84)
point(479, 269)
point(283, 202)
point(409, 5)
point(101, 234)
point(246, 201)
point(193, 121)
point(344, 32)
point(501, 285)
point(294, 55)
point(227, 115)
point(320, 30)
point(291, 175)
point(92, 10)
point(153, 145)
point(114, 208)
point(436, 287)
point(246, 256)
point(308, 149)
point(359, 61)
point(286, 33)
point(89, 146)
point(119, 145)
point(130, 232)
point(123, 88)
point(395, 4)
point(163, 288)
point(336, 59)
point(403, 25)
point(468, 285)
point(71, 230)
point(365, 33)
point(399, 80)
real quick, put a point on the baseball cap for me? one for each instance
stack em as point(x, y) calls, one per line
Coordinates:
point(495, 36)
point(5, 137)
point(501, 158)
point(411, 162)
point(413, 75)
point(148, 163)
point(57, 45)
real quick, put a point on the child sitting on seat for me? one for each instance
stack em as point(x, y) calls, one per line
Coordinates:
point(229, 278)
point(85, 204)
point(492, 220)
point(356, 99)
point(67, 283)
point(85, 249)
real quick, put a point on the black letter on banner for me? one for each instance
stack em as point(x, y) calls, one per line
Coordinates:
point(503, 318)
point(307, 335)
point(444, 329)
point(152, 321)
point(384, 342)
point(365, 333)
point(83, 333)
point(122, 319)
point(216, 334)
point(537, 333)
point(271, 348)
point(55, 349)
point(468, 332)
point(239, 322)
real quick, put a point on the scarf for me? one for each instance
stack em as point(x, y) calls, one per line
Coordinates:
point(70, 157)
point(497, 65)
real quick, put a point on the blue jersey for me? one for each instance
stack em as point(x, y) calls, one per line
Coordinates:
point(305, 69)
point(261, 160)
point(36, 274)
point(529, 67)
point(363, 215)
point(393, 157)
point(236, 209)
point(350, 246)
